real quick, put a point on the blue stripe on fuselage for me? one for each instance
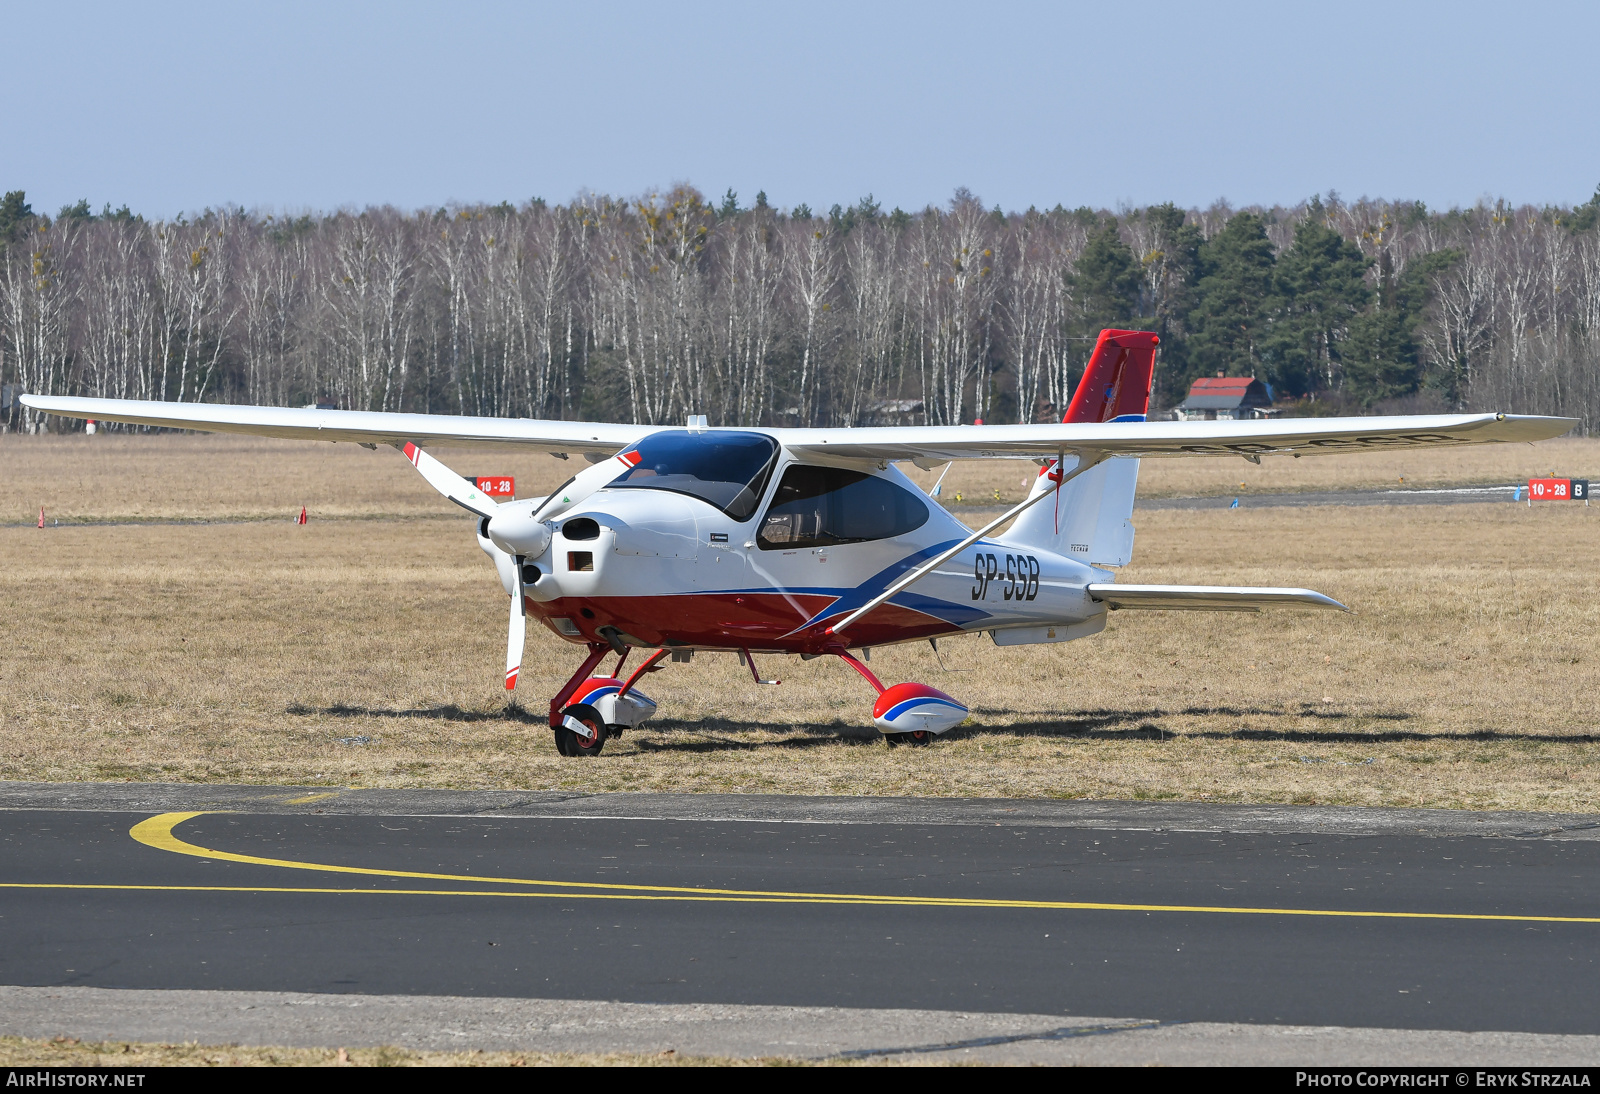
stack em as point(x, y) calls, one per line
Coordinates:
point(851, 599)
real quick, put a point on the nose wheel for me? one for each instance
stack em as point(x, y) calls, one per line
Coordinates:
point(571, 743)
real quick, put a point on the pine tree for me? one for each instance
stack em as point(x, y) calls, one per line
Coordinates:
point(1586, 216)
point(1233, 299)
point(1105, 282)
point(14, 212)
point(1321, 289)
point(1383, 359)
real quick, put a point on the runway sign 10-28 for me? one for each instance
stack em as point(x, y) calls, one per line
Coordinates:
point(1558, 489)
point(497, 486)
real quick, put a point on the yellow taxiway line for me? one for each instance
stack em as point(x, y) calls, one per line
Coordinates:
point(158, 832)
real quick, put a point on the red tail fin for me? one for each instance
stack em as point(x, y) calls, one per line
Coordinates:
point(1117, 382)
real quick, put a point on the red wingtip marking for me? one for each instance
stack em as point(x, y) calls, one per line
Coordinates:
point(411, 452)
point(511, 679)
point(631, 458)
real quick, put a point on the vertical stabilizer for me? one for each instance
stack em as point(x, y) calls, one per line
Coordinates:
point(1116, 383)
point(1092, 520)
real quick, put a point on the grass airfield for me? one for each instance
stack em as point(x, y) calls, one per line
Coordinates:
point(176, 626)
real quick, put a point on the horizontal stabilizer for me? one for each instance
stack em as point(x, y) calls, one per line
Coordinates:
point(1207, 598)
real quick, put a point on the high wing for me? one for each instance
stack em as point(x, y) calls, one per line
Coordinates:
point(1222, 438)
point(1250, 439)
point(1207, 598)
point(359, 426)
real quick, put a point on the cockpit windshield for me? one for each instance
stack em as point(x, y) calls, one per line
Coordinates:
point(725, 467)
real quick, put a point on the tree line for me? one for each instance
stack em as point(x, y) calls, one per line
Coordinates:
point(651, 308)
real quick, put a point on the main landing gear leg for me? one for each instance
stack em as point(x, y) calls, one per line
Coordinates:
point(570, 741)
point(850, 659)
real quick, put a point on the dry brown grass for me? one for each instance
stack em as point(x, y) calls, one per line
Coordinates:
point(262, 652)
point(69, 1052)
point(122, 477)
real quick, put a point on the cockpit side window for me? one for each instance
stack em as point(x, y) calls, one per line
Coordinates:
point(728, 468)
point(823, 506)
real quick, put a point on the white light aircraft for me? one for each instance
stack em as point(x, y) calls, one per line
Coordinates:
point(811, 541)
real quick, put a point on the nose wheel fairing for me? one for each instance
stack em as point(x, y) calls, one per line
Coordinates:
point(615, 707)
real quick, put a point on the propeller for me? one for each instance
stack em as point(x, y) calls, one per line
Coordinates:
point(520, 531)
point(525, 530)
point(451, 485)
point(517, 629)
point(468, 496)
point(585, 482)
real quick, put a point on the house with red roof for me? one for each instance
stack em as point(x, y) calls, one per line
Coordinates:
point(1223, 397)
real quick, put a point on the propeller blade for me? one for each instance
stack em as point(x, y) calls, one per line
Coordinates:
point(451, 485)
point(584, 483)
point(516, 631)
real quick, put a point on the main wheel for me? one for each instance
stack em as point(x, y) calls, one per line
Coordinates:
point(918, 738)
point(569, 743)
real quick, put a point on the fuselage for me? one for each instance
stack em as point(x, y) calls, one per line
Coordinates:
point(668, 558)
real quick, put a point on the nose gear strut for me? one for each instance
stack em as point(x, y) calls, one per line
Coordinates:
point(579, 728)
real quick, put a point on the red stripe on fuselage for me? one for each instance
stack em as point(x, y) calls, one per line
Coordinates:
point(756, 621)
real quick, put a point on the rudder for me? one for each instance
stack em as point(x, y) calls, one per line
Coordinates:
point(1092, 519)
point(1116, 382)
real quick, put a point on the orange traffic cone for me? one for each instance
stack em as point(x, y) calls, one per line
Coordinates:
point(302, 519)
point(41, 516)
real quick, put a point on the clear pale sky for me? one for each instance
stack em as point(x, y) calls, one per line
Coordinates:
point(176, 106)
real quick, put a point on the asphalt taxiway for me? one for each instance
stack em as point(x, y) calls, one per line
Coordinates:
point(1018, 914)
